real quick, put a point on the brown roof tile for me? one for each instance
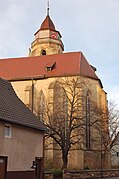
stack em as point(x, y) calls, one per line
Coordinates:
point(13, 110)
point(66, 64)
point(47, 24)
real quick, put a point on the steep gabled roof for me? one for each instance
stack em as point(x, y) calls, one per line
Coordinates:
point(66, 64)
point(13, 110)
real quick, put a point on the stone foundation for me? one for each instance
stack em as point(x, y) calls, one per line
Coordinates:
point(92, 174)
point(85, 174)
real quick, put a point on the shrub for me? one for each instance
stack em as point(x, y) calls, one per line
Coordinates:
point(57, 172)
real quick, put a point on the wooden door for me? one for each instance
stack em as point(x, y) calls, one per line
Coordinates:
point(3, 167)
point(39, 168)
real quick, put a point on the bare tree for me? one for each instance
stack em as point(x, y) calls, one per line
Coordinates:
point(113, 115)
point(103, 139)
point(68, 115)
point(107, 126)
point(64, 116)
point(114, 132)
point(113, 128)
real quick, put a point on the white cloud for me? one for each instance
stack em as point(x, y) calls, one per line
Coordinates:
point(114, 94)
point(88, 26)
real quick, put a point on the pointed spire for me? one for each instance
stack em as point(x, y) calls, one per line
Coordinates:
point(48, 8)
point(47, 23)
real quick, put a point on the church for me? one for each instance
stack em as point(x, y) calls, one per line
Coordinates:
point(34, 79)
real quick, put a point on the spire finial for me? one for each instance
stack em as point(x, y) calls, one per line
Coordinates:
point(48, 7)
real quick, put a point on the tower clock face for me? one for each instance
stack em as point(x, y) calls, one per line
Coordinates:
point(54, 35)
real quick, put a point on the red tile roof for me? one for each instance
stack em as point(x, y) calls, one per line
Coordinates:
point(47, 24)
point(66, 64)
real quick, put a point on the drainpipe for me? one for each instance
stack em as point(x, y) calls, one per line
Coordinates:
point(32, 97)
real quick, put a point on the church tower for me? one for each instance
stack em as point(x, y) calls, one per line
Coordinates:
point(47, 39)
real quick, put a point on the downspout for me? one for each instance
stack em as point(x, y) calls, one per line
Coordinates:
point(32, 98)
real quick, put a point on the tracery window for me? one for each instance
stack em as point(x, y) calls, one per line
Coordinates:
point(42, 102)
point(60, 100)
point(27, 95)
point(88, 143)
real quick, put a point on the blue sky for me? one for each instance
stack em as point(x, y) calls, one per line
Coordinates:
point(90, 26)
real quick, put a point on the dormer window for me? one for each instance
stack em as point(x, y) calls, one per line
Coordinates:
point(50, 66)
point(43, 52)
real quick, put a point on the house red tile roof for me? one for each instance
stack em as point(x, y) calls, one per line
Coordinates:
point(66, 64)
point(47, 24)
point(12, 109)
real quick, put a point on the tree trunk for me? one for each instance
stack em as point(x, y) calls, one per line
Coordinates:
point(65, 161)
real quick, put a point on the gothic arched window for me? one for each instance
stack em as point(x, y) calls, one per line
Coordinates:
point(27, 96)
point(88, 145)
point(41, 109)
point(60, 103)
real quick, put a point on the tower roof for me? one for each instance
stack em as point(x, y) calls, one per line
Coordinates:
point(47, 24)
